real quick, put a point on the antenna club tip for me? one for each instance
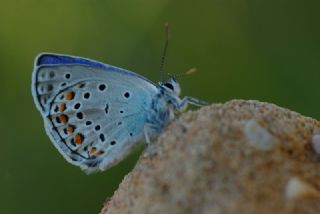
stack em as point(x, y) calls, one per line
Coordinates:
point(166, 24)
point(192, 70)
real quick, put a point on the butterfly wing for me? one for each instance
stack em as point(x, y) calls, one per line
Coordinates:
point(93, 113)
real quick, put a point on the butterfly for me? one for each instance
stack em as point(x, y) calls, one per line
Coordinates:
point(95, 113)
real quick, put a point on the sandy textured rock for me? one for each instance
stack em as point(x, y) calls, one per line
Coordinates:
point(237, 157)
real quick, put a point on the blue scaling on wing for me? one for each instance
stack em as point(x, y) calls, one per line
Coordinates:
point(55, 59)
point(51, 59)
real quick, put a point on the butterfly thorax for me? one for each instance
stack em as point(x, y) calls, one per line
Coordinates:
point(161, 111)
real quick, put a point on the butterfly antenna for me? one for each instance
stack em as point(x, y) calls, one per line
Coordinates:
point(190, 71)
point(166, 25)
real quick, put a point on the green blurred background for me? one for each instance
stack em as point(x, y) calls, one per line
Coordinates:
point(253, 49)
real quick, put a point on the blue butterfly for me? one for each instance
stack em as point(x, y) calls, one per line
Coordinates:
point(95, 113)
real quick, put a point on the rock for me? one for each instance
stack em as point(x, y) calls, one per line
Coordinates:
point(315, 143)
point(297, 189)
point(237, 157)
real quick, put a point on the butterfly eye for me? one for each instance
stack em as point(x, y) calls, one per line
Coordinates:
point(169, 85)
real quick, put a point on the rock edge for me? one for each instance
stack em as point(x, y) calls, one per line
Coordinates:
point(237, 157)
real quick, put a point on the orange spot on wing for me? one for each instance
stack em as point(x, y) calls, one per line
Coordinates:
point(69, 95)
point(70, 129)
point(63, 118)
point(78, 139)
point(62, 107)
point(93, 150)
point(100, 153)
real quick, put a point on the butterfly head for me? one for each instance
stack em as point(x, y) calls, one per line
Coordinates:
point(172, 86)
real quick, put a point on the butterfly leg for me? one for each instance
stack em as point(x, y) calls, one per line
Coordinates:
point(146, 135)
point(190, 100)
